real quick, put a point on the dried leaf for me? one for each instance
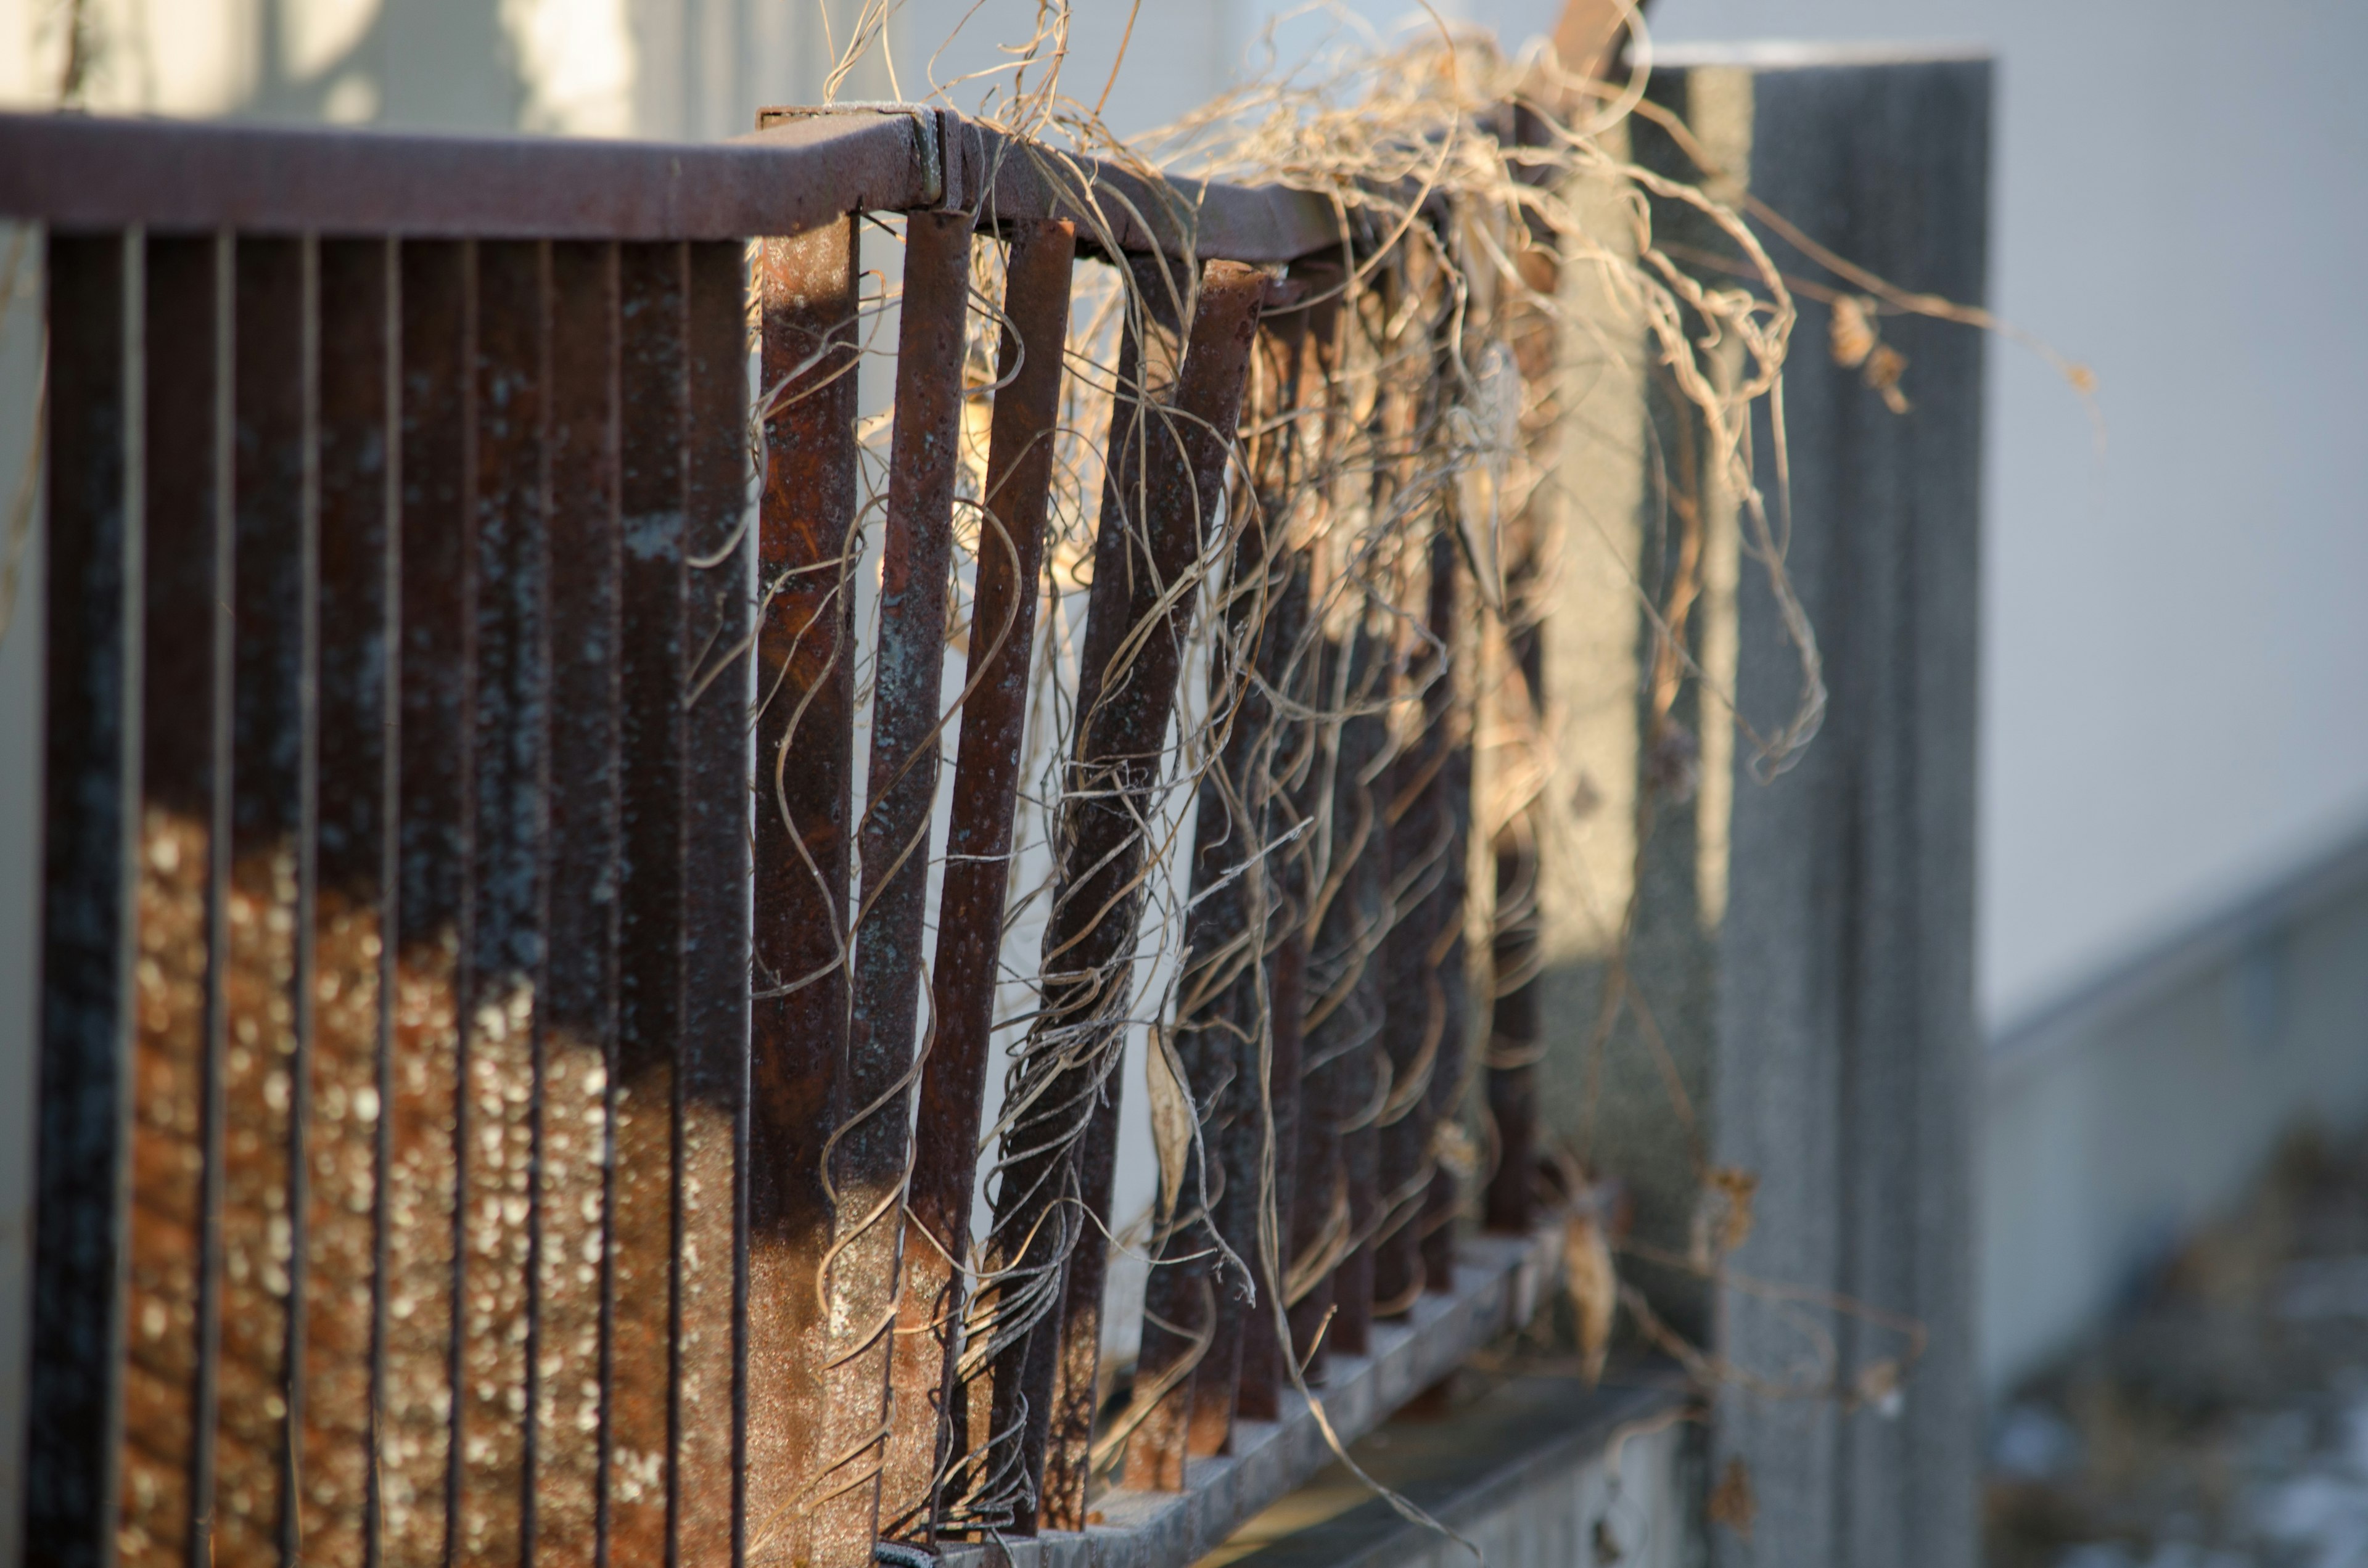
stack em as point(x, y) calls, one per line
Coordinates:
point(1735, 1189)
point(1172, 1118)
point(1452, 1147)
point(1855, 335)
point(1878, 1385)
point(1594, 1286)
point(1883, 368)
point(1731, 1503)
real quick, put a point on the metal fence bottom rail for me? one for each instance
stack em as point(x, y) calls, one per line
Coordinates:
point(1500, 1284)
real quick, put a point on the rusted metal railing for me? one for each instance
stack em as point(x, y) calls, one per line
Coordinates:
point(481, 1110)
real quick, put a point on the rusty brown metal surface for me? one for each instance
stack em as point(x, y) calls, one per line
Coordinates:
point(1253, 1205)
point(418, 1353)
point(1007, 1406)
point(90, 841)
point(1443, 1110)
point(249, 1175)
point(642, 1086)
point(805, 697)
point(1415, 1018)
point(800, 170)
point(1192, 1332)
point(1066, 1133)
point(1116, 209)
point(182, 546)
point(1068, 1362)
point(978, 853)
point(1166, 481)
point(576, 1038)
point(81, 171)
point(502, 1007)
point(718, 614)
point(1512, 1201)
point(1306, 1145)
point(344, 1092)
point(873, 1105)
point(1274, 1146)
point(520, 1105)
point(1240, 1038)
point(1345, 1013)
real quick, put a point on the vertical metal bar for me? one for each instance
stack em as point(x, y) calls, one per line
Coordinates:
point(641, 1247)
point(501, 1007)
point(1064, 1354)
point(1319, 1199)
point(1038, 267)
point(1345, 1024)
point(1511, 1204)
point(338, 1274)
point(1254, 1212)
point(1288, 665)
point(435, 792)
point(262, 981)
point(1192, 1319)
point(1230, 1016)
point(579, 1018)
point(298, 1198)
point(88, 1007)
point(1416, 1020)
point(805, 701)
point(1320, 1220)
point(719, 617)
point(1168, 483)
point(180, 542)
point(1009, 1409)
point(866, 1165)
point(1435, 1228)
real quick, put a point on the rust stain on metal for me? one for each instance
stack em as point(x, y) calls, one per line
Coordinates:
point(1345, 1017)
point(978, 851)
point(642, 1083)
point(255, 1094)
point(718, 615)
point(1193, 1312)
point(434, 803)
point(578, 1027)
point(344, 1096)
point(871, 1106)
point(1167, 478)
point(175, 908)
point(1416, 1020)
point(502, 1002)
point(88, 1003)
point(805, 695)
point(1511, 1202)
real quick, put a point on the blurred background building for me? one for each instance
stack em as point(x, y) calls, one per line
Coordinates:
point(2173, 886)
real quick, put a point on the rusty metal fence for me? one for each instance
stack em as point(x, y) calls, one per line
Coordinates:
point(480, 1110)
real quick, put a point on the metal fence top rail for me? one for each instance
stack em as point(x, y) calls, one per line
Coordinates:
point(804, 169)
